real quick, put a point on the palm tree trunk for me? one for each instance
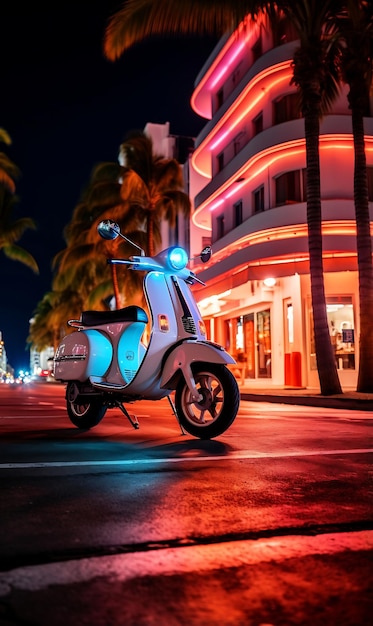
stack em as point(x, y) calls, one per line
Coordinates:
point(364, 256)
point(117, 294)
point(150, 234)
point(326, 364)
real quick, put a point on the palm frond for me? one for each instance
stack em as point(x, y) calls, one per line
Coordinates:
point(16, 253)
point(140, 19)
point(5, 137)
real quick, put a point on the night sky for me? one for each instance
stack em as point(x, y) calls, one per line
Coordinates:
point(66, 109)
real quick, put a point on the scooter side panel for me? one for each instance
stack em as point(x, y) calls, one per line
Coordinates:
point(83, 354)
point(130, 351)
point(147, 380)
point(193, 352)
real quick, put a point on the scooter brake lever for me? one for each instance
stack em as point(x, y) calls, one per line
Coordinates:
point(194, 279)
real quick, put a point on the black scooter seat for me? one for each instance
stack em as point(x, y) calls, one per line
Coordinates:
point(128, 314)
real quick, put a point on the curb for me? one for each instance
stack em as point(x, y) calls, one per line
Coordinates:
point(353, 404)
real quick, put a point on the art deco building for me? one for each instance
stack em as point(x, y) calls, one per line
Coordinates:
point(247, 179)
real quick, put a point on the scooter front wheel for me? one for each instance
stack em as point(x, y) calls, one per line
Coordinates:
point(83, 414)
point(217, 409)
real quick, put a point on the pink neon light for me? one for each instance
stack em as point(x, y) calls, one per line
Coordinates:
point(237, 121)
point(236, 188)
point(244, 95)
point(216, 204)
point(284, 150)
point(220, 139)
point(228, 64)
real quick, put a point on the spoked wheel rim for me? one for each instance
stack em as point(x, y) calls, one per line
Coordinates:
point(208, 409)
point(83, 413)
point(80, 409)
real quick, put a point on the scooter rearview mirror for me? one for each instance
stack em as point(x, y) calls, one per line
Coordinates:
point(108, 229)
point(206, 254)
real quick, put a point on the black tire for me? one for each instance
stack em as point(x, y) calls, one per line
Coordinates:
point(221, 399)
point(83, 415)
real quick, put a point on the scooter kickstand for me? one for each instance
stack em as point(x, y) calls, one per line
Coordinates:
point(176, 415)
point(131, 418)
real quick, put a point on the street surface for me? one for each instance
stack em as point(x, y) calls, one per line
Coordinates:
point(269, 524)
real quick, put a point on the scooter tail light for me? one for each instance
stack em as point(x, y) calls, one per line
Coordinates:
point(202, 327)
point(163, 323)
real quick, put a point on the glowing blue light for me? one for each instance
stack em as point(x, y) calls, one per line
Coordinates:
point(178, 258)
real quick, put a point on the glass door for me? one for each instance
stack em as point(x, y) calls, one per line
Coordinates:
point(263, 332)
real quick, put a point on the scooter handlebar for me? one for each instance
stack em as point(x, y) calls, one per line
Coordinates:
point(143, 263)
point(149, 264)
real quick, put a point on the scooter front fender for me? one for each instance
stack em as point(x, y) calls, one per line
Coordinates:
point(188, 352)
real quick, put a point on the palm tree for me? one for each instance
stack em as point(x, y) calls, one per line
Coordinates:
point(41, 334)
point(9, 172)
point(82, 278)
point(152, 187)
point(314, 75)
point(355, 23)
point(11, 230)
point(78, 263)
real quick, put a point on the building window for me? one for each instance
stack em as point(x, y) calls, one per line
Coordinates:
point(236, 74)
point(237, 213)
point(258, 124)
point(258, 199)
point(257, 49)
point(220, 226)
point(220, 160)
point(340, 314)
point(289, 323)
point(238, 142)
point(220, 97)
point(263, 328)
point(290, 187)
point(286, 108)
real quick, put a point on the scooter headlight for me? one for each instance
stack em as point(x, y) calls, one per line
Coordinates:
point(177, 258)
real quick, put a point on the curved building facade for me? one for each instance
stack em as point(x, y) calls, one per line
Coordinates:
point(247, 177)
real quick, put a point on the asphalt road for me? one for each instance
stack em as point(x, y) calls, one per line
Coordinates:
point(271, 523)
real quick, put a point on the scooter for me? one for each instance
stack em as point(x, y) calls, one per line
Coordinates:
point(106, 362)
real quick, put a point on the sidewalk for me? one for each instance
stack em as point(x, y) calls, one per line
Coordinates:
point(349, 399)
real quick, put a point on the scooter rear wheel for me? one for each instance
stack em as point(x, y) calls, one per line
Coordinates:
point(84, 415)
point(217, 409)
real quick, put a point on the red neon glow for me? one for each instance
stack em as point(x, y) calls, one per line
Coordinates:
point(246, 112)
point(335, 227)
point(268, 157)
point(283, 151)
point(246, 94)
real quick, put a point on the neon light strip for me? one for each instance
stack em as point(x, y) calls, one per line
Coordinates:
point(228, 64)
point(299, 148)
point(335, 227)
point(284, 150)
point(283, 67)
point(245, 113)
point(232, 41)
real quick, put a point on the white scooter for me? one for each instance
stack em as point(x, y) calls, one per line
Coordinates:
point(105, 362)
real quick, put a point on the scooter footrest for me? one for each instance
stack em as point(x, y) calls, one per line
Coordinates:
point(108, 386)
